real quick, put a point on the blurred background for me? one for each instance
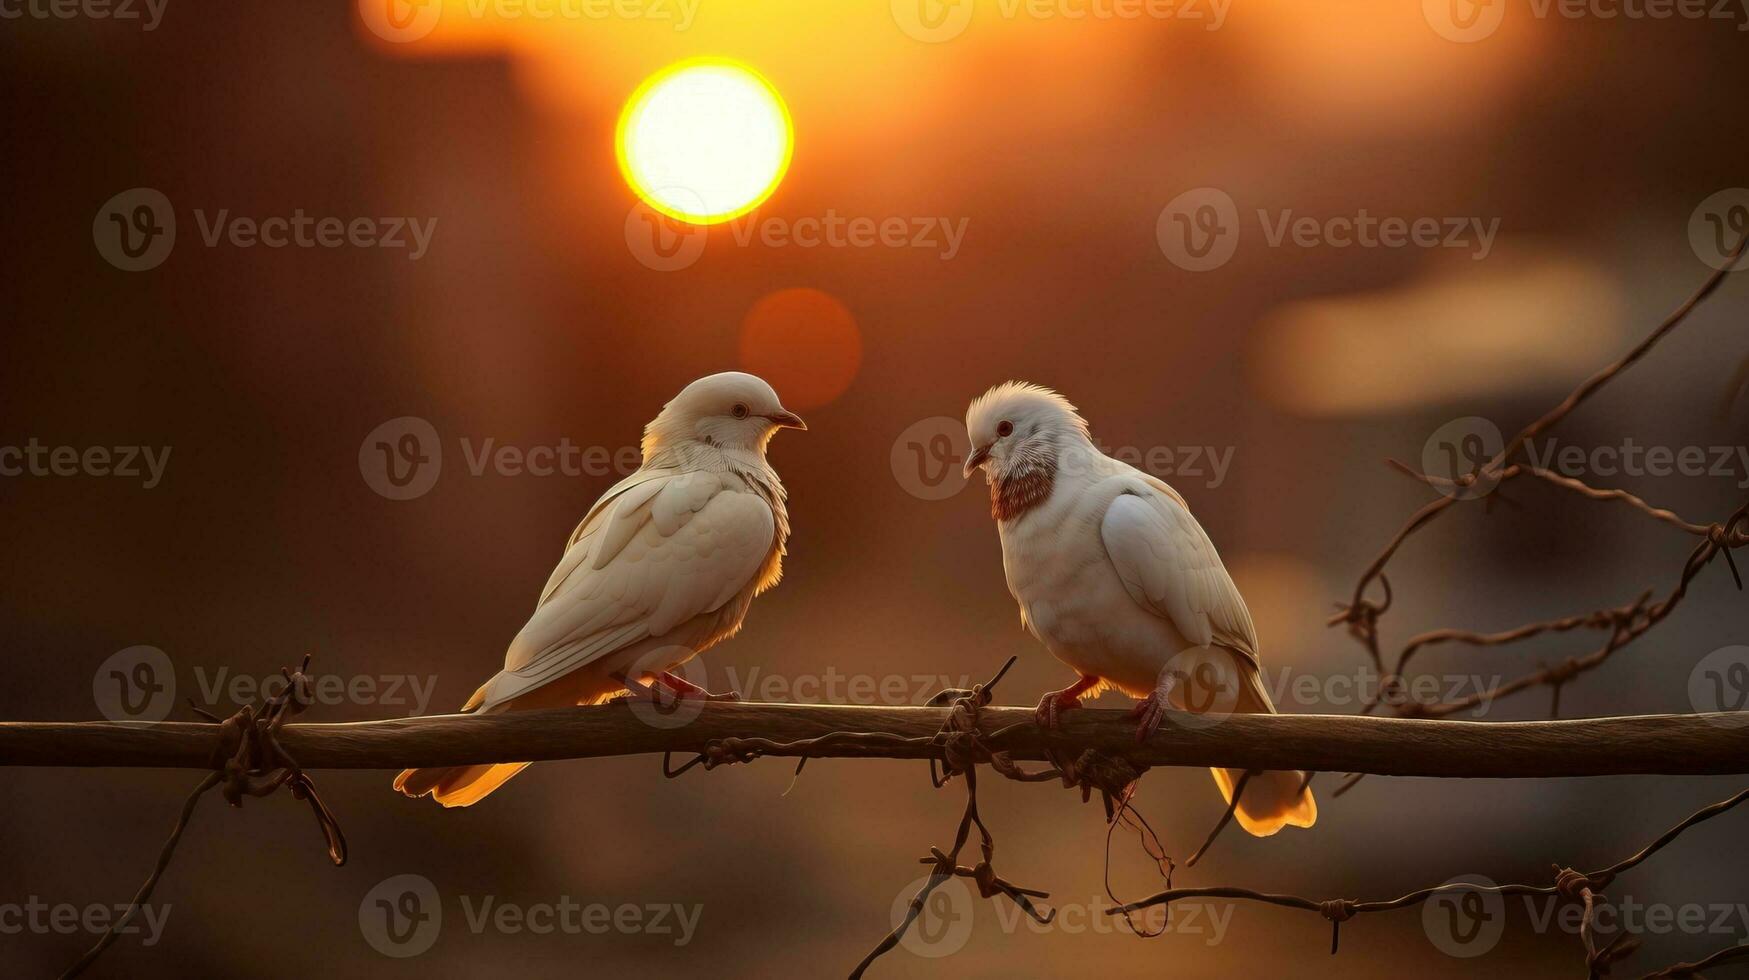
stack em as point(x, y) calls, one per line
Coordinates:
point(1596, 147)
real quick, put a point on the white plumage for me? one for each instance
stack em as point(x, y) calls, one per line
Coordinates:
point(664, 565)
point(1120, 582)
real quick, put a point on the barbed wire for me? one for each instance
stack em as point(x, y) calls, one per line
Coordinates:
point(251, 760)
point(961, 746)
point(248, 760)
point(1585, 888)
point(1622, 624)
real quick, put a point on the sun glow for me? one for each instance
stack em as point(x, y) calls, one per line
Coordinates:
point(704, 140)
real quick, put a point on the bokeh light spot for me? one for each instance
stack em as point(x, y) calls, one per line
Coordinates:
point(803, 341)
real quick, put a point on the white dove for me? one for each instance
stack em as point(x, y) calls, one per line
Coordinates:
point(663, 566)
point(1120, 582)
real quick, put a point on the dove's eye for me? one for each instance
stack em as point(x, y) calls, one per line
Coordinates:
point(1004, 428)
point(740, 410)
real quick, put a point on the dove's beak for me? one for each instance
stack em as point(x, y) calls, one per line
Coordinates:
point(787, 420)
point(976, 459)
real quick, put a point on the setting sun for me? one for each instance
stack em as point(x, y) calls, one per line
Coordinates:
point(704, 140)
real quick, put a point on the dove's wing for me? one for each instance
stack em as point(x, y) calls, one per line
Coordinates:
point(636, 489)
point(1169, 566)
point(655, 552)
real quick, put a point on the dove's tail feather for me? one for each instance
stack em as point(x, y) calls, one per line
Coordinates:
point(467, 785)
point(457, 785)
point(1272, 800)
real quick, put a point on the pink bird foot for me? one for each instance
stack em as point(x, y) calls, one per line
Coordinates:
point(1054, 703)
point(684, 689)
point(1148, 714)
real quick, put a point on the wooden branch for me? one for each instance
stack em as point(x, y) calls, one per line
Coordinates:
point(1704, 744)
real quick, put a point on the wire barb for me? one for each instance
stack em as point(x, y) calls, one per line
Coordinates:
point(248, 760)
